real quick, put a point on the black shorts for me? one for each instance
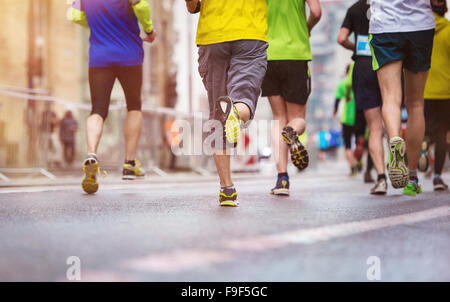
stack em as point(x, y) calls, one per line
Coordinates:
point(289, 79)
point(101, 82)
point(365, 85)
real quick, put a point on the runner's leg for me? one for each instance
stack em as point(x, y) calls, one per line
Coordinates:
point(376, 150)
point(414, 91)
point(101, 82)
point(279, 147)
point(131, 80)
point(389, 79)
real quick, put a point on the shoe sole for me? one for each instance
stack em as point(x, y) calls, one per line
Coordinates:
point(440, 188)
point(229, 203)
point(89, 183)
point(233, 128)
point(129, 177)
point(378, 193)
point(409, 193)
point(284, 192)
point(398, 171)
point(232, 125)
point(299, 154)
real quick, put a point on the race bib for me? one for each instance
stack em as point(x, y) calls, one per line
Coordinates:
point(362, 46)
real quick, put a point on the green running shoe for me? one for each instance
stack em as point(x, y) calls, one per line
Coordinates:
point(412, 188)
point(397, 169)
point(299, 154)
point(228, 197)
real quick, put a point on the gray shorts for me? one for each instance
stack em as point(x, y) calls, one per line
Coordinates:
point(235, 69)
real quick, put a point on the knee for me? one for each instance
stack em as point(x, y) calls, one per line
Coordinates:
point(101, 113)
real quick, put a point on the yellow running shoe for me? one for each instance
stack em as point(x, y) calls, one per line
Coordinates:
point(90, 168)
point(299, 153)
point(228, 197)
point(229, 117)
point(130, 171)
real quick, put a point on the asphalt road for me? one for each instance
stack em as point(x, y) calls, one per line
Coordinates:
point(175, 231)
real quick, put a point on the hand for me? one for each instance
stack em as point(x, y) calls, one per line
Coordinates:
point(334, 112)
point(150, 37)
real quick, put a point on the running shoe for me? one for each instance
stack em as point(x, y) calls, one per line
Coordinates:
point(229, 117)
point(90, 168)
point(131, 172)
point(359, 166)
point(299, 154)
point(380, 187)
point(228, 197)
point(412, 188)
point(439, 184)
point(423, 163)
point(368, 177)
point(281, 187)
point(397, 169)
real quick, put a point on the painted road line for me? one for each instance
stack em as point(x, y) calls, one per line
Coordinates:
point(144, 184)
point(180, 260)
point(326, 233)
point(189, 259)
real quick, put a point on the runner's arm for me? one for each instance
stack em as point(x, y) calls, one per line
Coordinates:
point(315, 12)
point(142, 11)
point(193, 6)
point(336, 106)
point(342, 39)
point(77, 15)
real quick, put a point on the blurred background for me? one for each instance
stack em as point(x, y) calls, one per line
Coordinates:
point(44, 95)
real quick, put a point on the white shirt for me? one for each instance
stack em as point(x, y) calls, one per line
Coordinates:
point(390, 16)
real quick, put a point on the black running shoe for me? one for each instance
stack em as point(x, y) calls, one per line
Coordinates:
point(281, 187)
point(299, 154)
point(228, 197)
point(439, 184)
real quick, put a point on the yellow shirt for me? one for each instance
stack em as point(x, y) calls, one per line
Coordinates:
point(231, 20)
point(438, 83)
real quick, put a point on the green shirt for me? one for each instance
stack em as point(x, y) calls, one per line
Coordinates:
point(349, 109)
point(288, 32)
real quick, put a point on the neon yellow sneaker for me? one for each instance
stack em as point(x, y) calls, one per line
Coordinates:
point(229, 117)
point(90, 168)
point(397, 169)
point(299, 153)
point(130, 172)
point(228, 197)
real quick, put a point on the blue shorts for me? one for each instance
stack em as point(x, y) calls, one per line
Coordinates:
point(413, 48)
